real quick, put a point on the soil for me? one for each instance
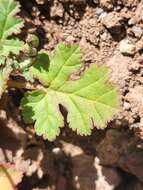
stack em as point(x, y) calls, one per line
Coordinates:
point(109, 32)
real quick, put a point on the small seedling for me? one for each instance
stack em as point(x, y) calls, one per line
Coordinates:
point(91, 101)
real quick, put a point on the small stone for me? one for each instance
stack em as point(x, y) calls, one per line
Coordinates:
point(99, 11)
point(137, 31)
point(107, 4)
point(134, 126)
point(131, 21)
point(119, 65)
point(41, 2)
point(114, 23)
point(57, 11)
point(95, 1)
point(139, 12)
point(139, 44)
point(134, 66)
point(108, 178)
point(74, 1)
point(104, 36)
point(127, 106)
point(127, 48)
point(103, 15)
point(56, 150)
point(112, 20)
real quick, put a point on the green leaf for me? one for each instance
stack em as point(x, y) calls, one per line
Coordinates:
point(26, 74)
point(13, 46)
point(90, 101)
point(2, 60)
point(9, 24)
point(33, 40)
point(38, 104)
point(40, 67)
point(65, 61)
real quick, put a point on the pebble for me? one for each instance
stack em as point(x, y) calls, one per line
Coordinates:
point(127, 106)
point(103, 15)
point(74, 1)
point(131, 22)
point(126, 47)
point(112, 20)
point(139, 44)
point(57, 11)
point(56, 150)
point(138, 32)
point(95, 1)
point(107, 4)
point(99, 11)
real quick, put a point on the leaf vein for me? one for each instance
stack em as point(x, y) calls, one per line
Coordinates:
point(59, 71)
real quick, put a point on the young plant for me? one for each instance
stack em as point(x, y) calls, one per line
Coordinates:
point(90, 101)
point(9, 47)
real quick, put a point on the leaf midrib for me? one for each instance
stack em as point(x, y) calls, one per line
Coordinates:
point(62, 66)
point(89, 100)
point(92, 101)
point(5, 21)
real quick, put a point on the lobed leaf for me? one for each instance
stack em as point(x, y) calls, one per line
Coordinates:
point(38, 104)
point(90, 101)
point(65, 61)
point(9, 24)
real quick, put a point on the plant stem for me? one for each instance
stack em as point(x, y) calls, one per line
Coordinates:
point(24, 85)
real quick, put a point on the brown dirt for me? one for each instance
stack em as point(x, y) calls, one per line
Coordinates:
point(109, 32)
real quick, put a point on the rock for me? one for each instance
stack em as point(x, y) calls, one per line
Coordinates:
point(127, 106)
point(57, 11)
point(99, 11)
point(135, 66)
point(138, 15)
point(109, 149)
point(83, 172)
point(139, 44)
point(74, 1)
point(61, 183)
point(71, 149)
point(120, 72)
point(127, 48)
point(103, 15)
point(107, 4)
point(135, 97)
point(113, 22)
point(138, 186)
point(95, 1)
point(130, 3)
point(126, 14)
point(91, 30)
point(107, 178)
point(138, 32)
point(120, 149)
point(139, 12)
point(89, 174)
point(132, 21)
point(132, 162)
point(135, 184)
point(41, 2)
